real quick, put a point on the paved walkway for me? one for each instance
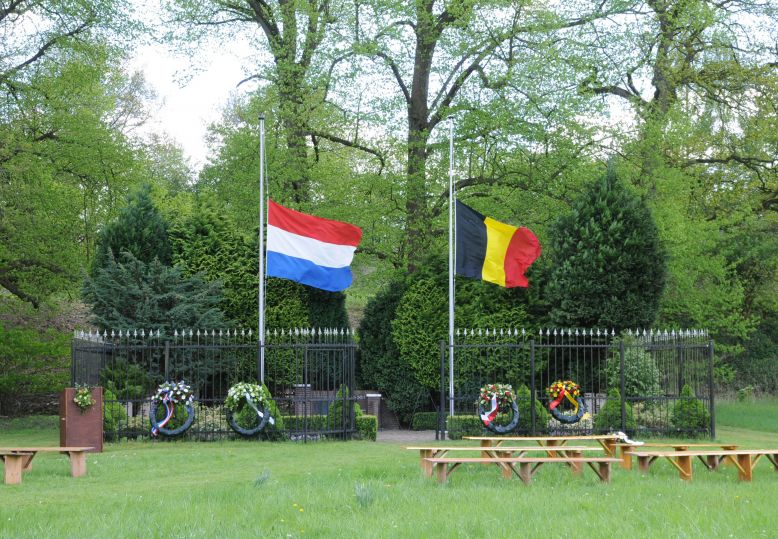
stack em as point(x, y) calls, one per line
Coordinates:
point(401, 436)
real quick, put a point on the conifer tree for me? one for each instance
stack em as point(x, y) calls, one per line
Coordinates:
point(608, 263)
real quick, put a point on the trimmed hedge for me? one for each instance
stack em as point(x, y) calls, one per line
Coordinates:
point(367, 425)
point(464, 425)
point(689, 415)
point(424, 421)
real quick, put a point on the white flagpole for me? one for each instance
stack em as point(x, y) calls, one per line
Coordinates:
point(451, 268)
point(261, 273)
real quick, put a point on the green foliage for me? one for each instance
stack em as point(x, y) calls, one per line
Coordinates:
point(609, 268)
point(337, 416)
point(525, 402)
point(113, 414)
point(33, 361)
point(608, 419)
point(642, 377)
point(139, 229)
point(132, 294)
point(424, 421)
point(689, 414)
point(367, 427)
point(463, 425)
point(272, 431)
point(126, 380)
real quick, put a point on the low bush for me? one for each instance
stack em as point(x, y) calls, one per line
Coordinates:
point(114, 414)
point(689, 415)
point(524, 402)
point(367, 427)
point(464, 425)
point(336, 414)
point(424, 421)
point(609, 418)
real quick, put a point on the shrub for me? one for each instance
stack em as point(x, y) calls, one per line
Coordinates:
point(336, 414)
point(642, 377)
point(464, 425)
point(689, 414)
point(113, 414)
point(33, 361)
point(424, 421)
point(298, 423)
point(128, 381)
point(609, 265)
point(367, 427)
point(609, 418)
point(524, 402)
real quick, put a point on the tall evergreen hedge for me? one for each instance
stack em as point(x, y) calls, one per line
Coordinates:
point(608, 263)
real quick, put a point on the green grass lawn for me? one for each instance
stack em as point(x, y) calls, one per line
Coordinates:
point(364, 489)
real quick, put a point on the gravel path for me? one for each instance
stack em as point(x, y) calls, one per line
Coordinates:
point(402, 436)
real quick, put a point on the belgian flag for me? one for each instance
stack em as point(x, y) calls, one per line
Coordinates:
point(493, 251)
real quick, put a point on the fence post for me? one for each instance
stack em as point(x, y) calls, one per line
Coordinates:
point(532, 386)
point(167, 360)
point(439, 432)
point(623, 386)
point(711, 394)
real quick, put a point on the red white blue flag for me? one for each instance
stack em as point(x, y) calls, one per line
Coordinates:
point(310, 250)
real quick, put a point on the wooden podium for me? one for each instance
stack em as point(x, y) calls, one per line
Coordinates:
point(77, 428)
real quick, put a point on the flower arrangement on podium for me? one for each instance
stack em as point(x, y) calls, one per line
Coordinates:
point(83, 398)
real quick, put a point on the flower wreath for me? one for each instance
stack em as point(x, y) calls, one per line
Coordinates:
point(176, 392)
point(255, 397)
point(83, 398)
point(170, 394)
point(496, 397)
point(561, 391)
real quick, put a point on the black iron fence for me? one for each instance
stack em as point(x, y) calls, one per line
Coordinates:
point(664, 380)
point(307, 372)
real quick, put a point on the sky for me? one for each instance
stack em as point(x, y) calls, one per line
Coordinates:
point(189, 97)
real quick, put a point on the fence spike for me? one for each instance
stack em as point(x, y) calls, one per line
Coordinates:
point(250, 332)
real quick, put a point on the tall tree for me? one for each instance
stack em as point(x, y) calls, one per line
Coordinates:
point(609, 267)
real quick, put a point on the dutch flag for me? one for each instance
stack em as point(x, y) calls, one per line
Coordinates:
point(310, 250)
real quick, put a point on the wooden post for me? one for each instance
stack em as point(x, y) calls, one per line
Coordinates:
point(425, 464)
point(643, 463)
point(577, 467)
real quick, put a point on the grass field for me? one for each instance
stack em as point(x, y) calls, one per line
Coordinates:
point(368, 489)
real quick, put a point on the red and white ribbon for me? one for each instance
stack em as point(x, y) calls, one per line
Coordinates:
point(488, 417)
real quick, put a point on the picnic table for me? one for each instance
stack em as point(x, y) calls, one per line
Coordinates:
point(744, 459)
point(492, 453)
point(711, 461)
point(19, 459)
point(607, 441)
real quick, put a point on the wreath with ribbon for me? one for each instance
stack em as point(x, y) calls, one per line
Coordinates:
point(174, 396)
point(495, 399)
point(565, 402)
point(254, 397)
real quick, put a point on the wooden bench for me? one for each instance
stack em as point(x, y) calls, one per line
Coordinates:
point(13, 463)
point(607, 441)
point(427, 452)
point(711, 462)
point(77, 457)
point(527, 466)
point(743, 459)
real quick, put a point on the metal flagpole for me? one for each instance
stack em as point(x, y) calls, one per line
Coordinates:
point(261, 273)
point(451, 269)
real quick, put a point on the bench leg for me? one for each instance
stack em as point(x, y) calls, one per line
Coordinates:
point(744, 467)
point(643, 464)
point(576, 467)
point(426, 467)
point(77, 463)
point(13, 469)
point(605, 472)
point(525, 472)
point(685, 467)
point(626, 458)
point(442, 470)
point(712, 462)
